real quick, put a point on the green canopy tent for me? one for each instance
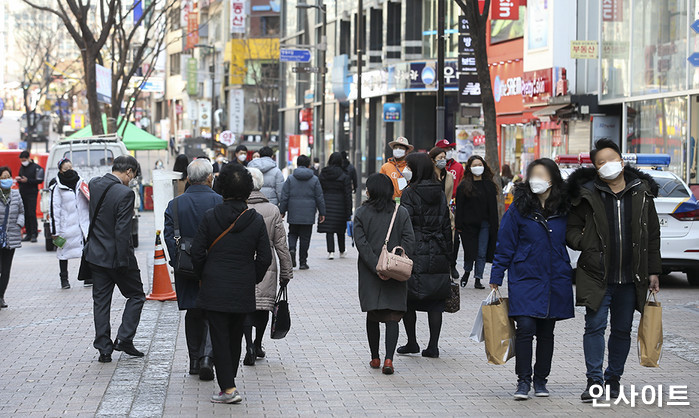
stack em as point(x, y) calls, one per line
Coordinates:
point(135, 139)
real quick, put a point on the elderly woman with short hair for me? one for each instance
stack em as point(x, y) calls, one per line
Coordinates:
point(231, 252)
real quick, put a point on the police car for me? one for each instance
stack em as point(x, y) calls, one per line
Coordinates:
point(678, 211)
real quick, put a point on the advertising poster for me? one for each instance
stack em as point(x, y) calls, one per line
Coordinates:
point(538, 24)
point(470, 140)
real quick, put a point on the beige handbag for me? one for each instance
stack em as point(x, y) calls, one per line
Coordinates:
point(394, 264)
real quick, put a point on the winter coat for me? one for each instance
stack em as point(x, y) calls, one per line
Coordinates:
point(337, 193)
point(432, 257)
point(35, 176)
point(470, 229)
point(532, 248)
point(70, 218)
point(394, 170)
point(457, 171)
point(351, 173)
point(588, 233)
point(302, 196)
point(370, 229)
point(266, 291)
point(15, 219)
point(274, 179)
point(238, 261)
point(191, 206)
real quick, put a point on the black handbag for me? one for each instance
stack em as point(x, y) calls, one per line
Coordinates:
point(281, 318)
point(85, 273)
point(183, 254)
point(453, 302)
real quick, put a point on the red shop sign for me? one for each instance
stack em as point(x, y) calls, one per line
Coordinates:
point(505, 10)
point(537, 86)
point(612, 10)
point(506, 80)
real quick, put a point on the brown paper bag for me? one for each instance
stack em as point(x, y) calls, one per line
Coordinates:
point(499, 332)
point(650, 333)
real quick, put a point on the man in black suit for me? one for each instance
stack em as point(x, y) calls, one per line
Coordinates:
point(110, 252)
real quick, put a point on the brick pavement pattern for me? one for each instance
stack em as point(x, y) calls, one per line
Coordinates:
point(49, 368)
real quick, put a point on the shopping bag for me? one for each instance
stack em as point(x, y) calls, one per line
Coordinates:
point(281, 318)
point(498, 331)
point(453, 302)
point(477, 330)
point(650, 333)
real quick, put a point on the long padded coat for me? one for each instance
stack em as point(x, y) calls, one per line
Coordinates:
point(70, 219)
point(337, 192)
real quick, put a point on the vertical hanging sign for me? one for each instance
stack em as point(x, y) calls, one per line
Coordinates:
point(238, 11)
point(469, 87)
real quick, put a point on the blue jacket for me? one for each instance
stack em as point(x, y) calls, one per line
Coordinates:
point(302, 196)
point(533, 251)
point(191, 206)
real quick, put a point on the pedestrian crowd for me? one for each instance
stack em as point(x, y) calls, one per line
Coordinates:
point(232, 255)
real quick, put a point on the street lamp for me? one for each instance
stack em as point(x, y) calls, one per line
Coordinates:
point(213, 88)
point(322, 48)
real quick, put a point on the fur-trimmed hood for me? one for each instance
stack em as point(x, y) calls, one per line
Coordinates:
point(526, 203)
point(585, 177)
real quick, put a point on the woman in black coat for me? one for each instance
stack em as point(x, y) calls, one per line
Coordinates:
point(382, 300)
point(477, 218)
point(337, 191)
point(429, 285)
point(230, 264)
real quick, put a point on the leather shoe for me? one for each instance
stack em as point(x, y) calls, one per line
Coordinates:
point(206, 369)
point(128, 348)
point(105, 358)
point(260, 352)
point(387, 367)
point(375, 363)
point(194, 366)
point(249, 359)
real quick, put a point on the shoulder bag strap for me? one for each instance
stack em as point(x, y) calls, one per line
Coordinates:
point(227, 230)
point(390, 227)
point(97, 210)
point(7, 213)
point(176, 219)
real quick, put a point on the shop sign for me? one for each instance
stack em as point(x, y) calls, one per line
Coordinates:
point(469, 88)
point(423, 75)
point(192, 30)
point(506, 87)
point(392, 112)
point(238, 11)
point(537, 86)
point(505, 10)
point(615, 49)
point(585, 50)
point(612, 10)
point(192, 82)
point(204, 114)
point(507, 82)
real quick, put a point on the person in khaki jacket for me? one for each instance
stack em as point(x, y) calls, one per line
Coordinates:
point(266, 291)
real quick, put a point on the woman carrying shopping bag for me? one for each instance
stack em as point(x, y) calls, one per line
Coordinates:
point(532, 248)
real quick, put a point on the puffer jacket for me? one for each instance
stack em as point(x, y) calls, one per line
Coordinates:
point(432, 256)
point(274, 179)
point(337, 193)
point(15, 219)
point(266, 290)
point(588, 233)
point(302, 197)
point(70, 219)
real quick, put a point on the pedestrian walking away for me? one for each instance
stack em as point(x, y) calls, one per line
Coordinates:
point(231, 253)
point(532, 249)
point(188, 210)
point(274, 179)
point(337, 193)
point(110, 254)
point(429, 285)
point(477, 218)
point(383, 300)
point(12, 218)
point(396, 167)
point(180, 166)
point(349, 170)
point(614, 224)
point(70, 217)
point(31, 175)
point(302, 197)
point(266, 291)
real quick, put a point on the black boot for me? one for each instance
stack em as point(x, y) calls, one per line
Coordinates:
point(293, 258)
point(250, 357)
point(454, 272)
point(64, 283)
point(464, 278)
point(478, 284)
point(193, 365)
point(206, 369)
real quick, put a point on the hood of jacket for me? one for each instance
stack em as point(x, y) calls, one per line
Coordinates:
point(303, 173)
point(263, 164)
point(585, 177)
point(331, 173)
point(229, 210)
point(257, 197)
point(430, 191)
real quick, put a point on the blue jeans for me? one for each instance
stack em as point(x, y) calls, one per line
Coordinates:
point(483, 236)
point(619, 301)
point(527, 328)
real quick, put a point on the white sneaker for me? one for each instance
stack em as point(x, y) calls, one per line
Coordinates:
point(224, 397)
point(331, 256)
point(343, 254)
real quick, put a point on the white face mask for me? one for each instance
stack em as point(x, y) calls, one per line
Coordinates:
point(477, 170)
point(219, 159)
point(316, 165)
point(610, 170)
point(25, 163)
point(398, 152)
point(242, 157)
point(539, 186)
point(407, 174)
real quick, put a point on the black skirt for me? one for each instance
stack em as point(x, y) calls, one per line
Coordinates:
point(426, 305)
point(384, 315)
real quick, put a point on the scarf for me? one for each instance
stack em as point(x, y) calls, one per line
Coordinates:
point(69, 178)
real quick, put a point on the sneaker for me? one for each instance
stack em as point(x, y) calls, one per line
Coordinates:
point(522, 393)
point(343, 254)
point(614, 387)
point(34, 239)
point(540, 390)
point(304, 266)
point(65, 284)
point(224, 397)
point(331, 256)
point(586, 395)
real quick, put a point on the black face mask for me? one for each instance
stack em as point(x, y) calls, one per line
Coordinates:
point(69, 178)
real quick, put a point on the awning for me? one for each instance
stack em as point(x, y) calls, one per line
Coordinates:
point(549, 111)
point(135, 139)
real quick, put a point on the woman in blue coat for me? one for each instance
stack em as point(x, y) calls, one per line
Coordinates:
point(532, 248)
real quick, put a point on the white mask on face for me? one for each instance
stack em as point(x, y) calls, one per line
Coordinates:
point(219, 159)
point(242, 157)
point(477, 170)
point(25, 163)
point(398, 152)
point(407, 174)
point(539, 186)
point(610, 170)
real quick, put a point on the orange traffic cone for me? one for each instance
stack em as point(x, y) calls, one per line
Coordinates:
point(162, 286)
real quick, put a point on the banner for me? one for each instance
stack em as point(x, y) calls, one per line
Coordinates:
point(192, 30)
point(505, 10)
point(238, 16)
point(236, 111)
point(103, 81)
point(192, 82)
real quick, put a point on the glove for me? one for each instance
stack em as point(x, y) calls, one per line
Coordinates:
point(283, 282)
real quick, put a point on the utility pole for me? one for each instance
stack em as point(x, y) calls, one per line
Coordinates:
point(440, 71)
point(356, 143)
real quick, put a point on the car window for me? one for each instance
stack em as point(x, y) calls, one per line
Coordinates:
point(97, 157)
point(671, 187)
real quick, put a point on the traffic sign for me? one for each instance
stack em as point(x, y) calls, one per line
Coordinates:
point(226, 138)
point(294, 55)
point(302, 69)
point(695, 26)
point(694, 59)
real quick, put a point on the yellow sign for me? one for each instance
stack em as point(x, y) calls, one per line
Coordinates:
point(583, 50)
point(77, 121)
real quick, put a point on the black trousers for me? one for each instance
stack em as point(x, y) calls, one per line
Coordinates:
point(63, 265)
point(29, 200)
point(302, 232)
point(226, 336)
point(6, 256)
point(457, 244)
point(196, 330)
point(258, 319)
point(330, 241)
point(131, 288)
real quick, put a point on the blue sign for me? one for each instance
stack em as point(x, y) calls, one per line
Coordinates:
point(294, 55)
point(694, 59)
point(695, 26)
point(392, 112)
point(428, 75)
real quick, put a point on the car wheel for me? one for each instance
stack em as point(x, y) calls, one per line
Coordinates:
point(134, 240)
point(693, 276)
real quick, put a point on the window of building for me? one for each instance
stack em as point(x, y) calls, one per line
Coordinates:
point(429, 29)
point(175, 18)
point(175, 62)
point(393, 26)
point(376, 30)
point(269, 25)
point(345, 46)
